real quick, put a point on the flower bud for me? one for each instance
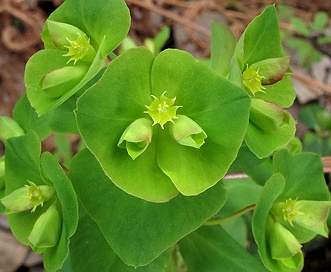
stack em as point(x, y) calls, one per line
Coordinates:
point(266, 115)
point(137, 137)
point(59, 81)
point(187, 132)
point(28, 197)
point(283, 244)
point(285, 248)
point(47, 229)
point(272, 70)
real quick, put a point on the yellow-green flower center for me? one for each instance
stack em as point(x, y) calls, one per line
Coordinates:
point(290, 210)
point(78, 48)
point(252, 80)
point(35, 195)
point(162, 110)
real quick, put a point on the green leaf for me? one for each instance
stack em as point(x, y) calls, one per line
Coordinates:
point(212, 249)
point(2, 194)
point(105, 23)
point(263, 143)
point(281, 93)
point(2, 172)
point(137, 230)
point(63, 119)
point(306, 52)
point(9, 128)
point(308, 116)
point(98, 255)
point(236, 200)
point(157, 43)
point(121, 96)
point(223, 43)
point(25, 115)
point(23, 163)
point(63, 151)
point(53, 172)
point(262, 39)
point(300, 25)
point(320, 21)
point(312, 143)
point(302, 170)
point(260, 170)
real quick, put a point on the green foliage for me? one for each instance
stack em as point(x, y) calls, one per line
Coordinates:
point(308, 38)
point(296, 178)
point(318, 120)
point(138, 230)
point(148, 190)
point(23, 164)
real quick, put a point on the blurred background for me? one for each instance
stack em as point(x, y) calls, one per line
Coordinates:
point(185, 24)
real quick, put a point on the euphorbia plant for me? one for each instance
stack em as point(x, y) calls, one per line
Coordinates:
point(160, 132)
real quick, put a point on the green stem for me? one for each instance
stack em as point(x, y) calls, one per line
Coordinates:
point(112, 55)
point(219, 220)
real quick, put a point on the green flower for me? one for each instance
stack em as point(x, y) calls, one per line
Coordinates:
point(252, 80)
point(293, 208)
point(265, 72)
point(162, 110)
point(28, 197)
point(77, 46)
point(163, 125)
point(79, 49)
point(44, 213)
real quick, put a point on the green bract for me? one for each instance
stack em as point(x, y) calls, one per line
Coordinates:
point(198, 121)
point(76, 48)
point(138, 230)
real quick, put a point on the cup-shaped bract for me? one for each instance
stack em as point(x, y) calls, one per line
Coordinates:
point(265, 115)
point(171, 85)
point(76, 49)
point(51, 215)
point(286, 215)
point(46, 230)
point(283, 244)
point(187, 132)
point(137, 137)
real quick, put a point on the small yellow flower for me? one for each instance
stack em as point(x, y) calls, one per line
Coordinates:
point(252, 80)
point(162, 110)
point(78, 48)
